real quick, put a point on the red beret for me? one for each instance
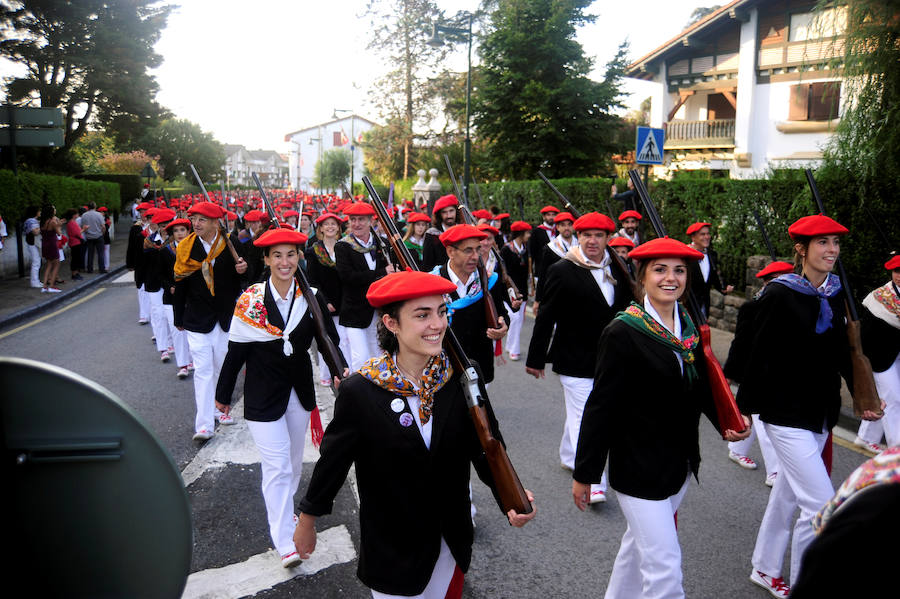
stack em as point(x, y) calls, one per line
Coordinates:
point(620, 242)
point(406, 285)
point(146, 185)
point(179, 222)
point(595, 220)
point(458, 233)
point(563, 216)
point(501, 216)
point(816, 225)
point(144, 206)
point(696, 227)
point(488, 229)
point(162, 215)
point(289, 213)
point(287, 226)
point(252, 216)
point(549, 208)
point(359, 209)
point(449, 201)
point(104, 209)
point(893, 263)
point(151, 211)
point(664, 247)
point(775, 268)
point(278, 237)
point(630, 214)
point(326, 216)
point(231, 215)
point(482, 213)
point(207, 209)
point(417, 217)
point(520, 225)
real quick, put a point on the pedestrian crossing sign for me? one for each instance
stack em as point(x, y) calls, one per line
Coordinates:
point(649, 146)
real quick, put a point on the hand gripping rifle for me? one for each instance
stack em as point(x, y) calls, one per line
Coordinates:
point(510, 493)
point(865, 394)
point(223, 222)
point(333, 356)
point(726, 409)
point(614, 256)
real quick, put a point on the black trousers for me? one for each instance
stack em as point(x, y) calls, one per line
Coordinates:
point(94, 245)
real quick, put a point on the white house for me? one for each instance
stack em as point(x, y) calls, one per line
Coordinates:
point(750, 87)
point(271, 166)
point(308, 145)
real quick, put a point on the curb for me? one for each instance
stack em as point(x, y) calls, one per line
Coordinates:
point(57, 299)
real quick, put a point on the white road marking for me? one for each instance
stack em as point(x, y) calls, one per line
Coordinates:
point(264, 571)
point(54, 314)
point(125, 277)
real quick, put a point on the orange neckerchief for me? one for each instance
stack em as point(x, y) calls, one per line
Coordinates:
point(185, 266)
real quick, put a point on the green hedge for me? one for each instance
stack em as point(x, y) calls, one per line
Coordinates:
point(16, 193)
point(129, 185)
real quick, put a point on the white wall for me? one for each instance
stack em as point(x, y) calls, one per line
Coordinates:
point(312, 152)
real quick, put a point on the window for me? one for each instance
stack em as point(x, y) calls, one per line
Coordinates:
point(812, 25)
point(336, 138)
point(815, 101)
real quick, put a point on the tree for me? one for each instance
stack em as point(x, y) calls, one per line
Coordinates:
point(90, 148)
point(180, 143)
point(535, 106)
point(91, 58)
point(333, 169)
point(701, 12)
point(126, 163)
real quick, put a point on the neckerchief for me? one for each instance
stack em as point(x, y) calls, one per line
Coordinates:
point(322, 255)
point(802, 285)
point(412, 245)
point(185, 266)
point(382, 371)
point(473, 293)
point(884, 304)
point(356, 245)
point(250, 320)
point(577, 257)
point(637, 318)
point(558, 245)
point(520, 253)
point(882, 469)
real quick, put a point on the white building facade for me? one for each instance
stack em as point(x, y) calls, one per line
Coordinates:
point(309, 144)
point(240, 162)
point(751, 87)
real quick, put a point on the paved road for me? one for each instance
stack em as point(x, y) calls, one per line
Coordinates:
point(563, 553)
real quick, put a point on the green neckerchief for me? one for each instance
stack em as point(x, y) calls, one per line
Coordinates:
point(637, 318)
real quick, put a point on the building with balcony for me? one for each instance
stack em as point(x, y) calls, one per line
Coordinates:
point(753, 86)
point(271, 166)
point(309, 144)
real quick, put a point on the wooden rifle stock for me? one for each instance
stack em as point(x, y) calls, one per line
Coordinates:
point(510, 492)
point(330, 352)
point(865, 394)
point(223, 222)
point(728, 414)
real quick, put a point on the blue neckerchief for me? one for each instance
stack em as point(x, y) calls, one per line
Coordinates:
point(467, 300)
point(802, 285)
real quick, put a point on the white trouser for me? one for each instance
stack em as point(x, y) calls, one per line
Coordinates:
point(158, 321)
point(871, 430)
point(106, 256)
point(344, 346)
point(648, 565)
point(802, 482)
point(770, 459)
point(280, 445)
point(208, 352)
point(515, 329)
point(576, 391)
point(363, 344)
point(35, 252)
point(143, 304)
point(440, 579)
point(179, 338)
point(888, 385)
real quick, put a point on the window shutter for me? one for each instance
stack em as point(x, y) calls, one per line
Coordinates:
point(824, 100)
point(336, 138)
point(799, 108)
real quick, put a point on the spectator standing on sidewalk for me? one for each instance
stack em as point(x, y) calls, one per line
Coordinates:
point(76, 243)
point(32, 230)
point(93, 235)
point(50, 247)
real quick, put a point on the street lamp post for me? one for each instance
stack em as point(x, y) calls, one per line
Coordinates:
point(436, 41)
point(334, 115)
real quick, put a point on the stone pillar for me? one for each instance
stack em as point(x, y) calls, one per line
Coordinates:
point(434, 189)
point(420, 191)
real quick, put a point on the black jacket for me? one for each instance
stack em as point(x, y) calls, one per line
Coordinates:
point(353, 270)
point(324, 277)
point(735, 366)
point(153, 277)
point(167, 272)
point(270, 374)
point(539, 239)
point(516, 266)
point(639, 381)
point(574, 305)
point(195, 308)
point(548, 259)
point(796, 373)
point(433, 252)
point(252, 255)
point(134, 254)
point(410, 496)
point(469, 324)
point(880, 341)
point(699, 288)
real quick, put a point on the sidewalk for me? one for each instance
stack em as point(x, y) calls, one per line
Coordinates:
point(19, 301)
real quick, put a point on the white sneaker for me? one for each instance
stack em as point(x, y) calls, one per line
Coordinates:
point(190, 367)
point(770, 479)
point(290, 560)
point(143, 321)
point(164, 356)
point(873, 447)
point(52, 290)
point(203, 435)
point(183, 372)
point(742, 460)
point(226, 419)
point(597, 497)
point(776, 586)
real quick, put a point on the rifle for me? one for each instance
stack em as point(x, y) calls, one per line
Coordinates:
point(614, 256)
point(333, 356)
point(510, 493)
point(490, 309)
point(223, 226)
point(729, 416)
point(762, 229)
point(865, 394)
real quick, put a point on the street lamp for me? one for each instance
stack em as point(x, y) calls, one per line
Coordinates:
point(436, 41)
point(334, 115)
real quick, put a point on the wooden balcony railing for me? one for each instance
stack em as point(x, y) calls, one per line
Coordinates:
point(717, 133)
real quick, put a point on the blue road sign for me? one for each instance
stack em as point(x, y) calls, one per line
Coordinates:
point(649, 146)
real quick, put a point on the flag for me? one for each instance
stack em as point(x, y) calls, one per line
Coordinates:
point(344, 139)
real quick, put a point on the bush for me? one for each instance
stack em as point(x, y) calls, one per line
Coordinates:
point(16, 193)
point(129, 185)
